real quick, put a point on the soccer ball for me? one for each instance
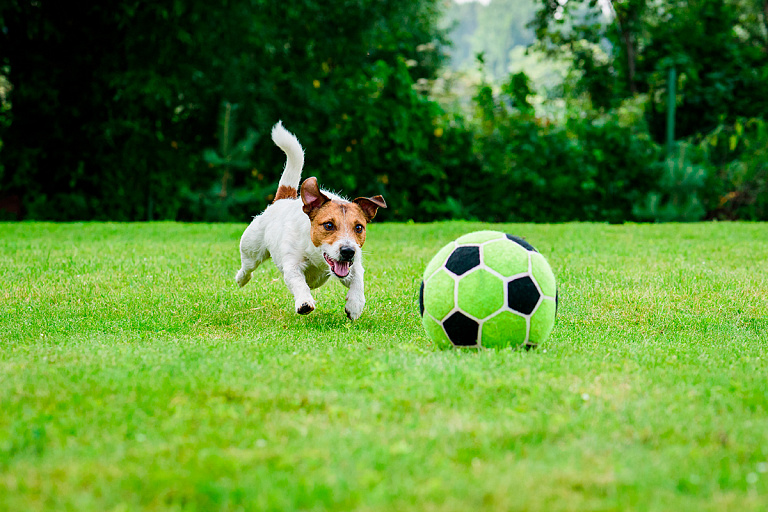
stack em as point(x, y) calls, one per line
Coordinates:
point(488, 289)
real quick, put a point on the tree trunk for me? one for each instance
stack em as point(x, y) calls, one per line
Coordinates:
point(765, 20)
point(631, 61)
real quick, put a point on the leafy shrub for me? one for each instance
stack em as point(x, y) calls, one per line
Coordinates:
point(119, 129)
point(222, 201)
point(677, 195)
point(738, 185)
point(592, 167)
point(396, 142)
point(113, 107)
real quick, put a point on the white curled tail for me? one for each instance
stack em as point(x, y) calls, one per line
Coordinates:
point(294, 163)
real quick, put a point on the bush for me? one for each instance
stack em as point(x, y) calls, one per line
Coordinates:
point(395, 142)
point(738, 183)
point(677, 196)
point(113, 107)
point(592, 167)
point(119, 123)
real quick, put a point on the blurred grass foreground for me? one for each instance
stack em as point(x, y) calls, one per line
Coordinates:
point(135, 375)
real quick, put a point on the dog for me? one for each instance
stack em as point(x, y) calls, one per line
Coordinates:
point(311, 236)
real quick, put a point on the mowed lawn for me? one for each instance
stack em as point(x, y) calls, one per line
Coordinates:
point(135, 375)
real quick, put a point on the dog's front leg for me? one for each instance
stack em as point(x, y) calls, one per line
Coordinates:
point(297, 284)
point(356, 293)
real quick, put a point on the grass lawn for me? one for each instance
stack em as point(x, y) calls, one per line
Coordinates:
point(135, 375)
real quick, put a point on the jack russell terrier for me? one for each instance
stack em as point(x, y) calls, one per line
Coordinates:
point(311, 238)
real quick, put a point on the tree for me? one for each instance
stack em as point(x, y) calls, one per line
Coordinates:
point(494, 30)
point(113, 106)
point(624, 48)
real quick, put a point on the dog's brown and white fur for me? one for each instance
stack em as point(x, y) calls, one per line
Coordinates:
point(311, 238)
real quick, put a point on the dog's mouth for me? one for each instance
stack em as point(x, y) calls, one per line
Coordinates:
point(340, 268)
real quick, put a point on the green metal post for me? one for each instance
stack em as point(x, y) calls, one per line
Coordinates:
point(671, 104)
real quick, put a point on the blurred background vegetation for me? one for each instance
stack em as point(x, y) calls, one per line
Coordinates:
point(513, 110)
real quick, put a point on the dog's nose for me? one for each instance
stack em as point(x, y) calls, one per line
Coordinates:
point(347, 253)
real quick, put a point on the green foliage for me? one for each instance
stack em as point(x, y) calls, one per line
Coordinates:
point(391, 140)
point(722, 174)
point(721, 55)
point(231, 154)
point(115, 126)
point(495, 29)
point(592, 167)
point(518, 88)
point(114, 113)
point(738, 185)
point(222, 202)
point(5, 209)
point(677, 198)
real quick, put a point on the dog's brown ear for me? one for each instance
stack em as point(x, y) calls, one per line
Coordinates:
point(312, 196)
point(370, 205)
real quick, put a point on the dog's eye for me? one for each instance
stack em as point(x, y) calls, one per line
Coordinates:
point(328, 226)
point(359, 228)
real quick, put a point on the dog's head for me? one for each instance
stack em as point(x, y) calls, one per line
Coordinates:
point(338, 226)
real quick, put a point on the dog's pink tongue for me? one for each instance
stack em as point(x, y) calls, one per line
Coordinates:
point(341, 268)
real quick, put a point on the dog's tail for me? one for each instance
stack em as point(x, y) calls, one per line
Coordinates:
point(289, 181)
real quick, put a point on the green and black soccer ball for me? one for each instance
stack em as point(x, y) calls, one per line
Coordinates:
point(488, 289)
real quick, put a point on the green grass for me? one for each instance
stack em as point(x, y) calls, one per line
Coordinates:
point(135, 375)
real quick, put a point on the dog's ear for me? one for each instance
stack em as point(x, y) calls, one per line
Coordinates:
point(370, 205)
point(312, 196)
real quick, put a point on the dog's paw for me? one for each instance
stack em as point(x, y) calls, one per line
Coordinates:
point(354, 309)
point(242, 278)
point(355, 305)
point(305, 308)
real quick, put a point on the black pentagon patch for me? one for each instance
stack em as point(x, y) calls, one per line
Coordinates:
point(461, 330)
point(421, 299)
point(522, 242)
point(463, 259)
point(523, 295)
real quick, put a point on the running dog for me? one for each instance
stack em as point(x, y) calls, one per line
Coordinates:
point(311, 236)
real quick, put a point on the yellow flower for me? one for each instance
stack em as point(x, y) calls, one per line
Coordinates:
point(438, 132)
point(316, 83)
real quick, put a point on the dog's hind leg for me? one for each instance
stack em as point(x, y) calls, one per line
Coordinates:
point(249, 264)
point(252, 252)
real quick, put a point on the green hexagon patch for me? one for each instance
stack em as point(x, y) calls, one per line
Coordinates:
point(435, 332)
point(481, 293)
point(505, 257)
point(543, 275)
point(542, 321)
point(439, 294)
point(501, 330)
point(438, 260)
